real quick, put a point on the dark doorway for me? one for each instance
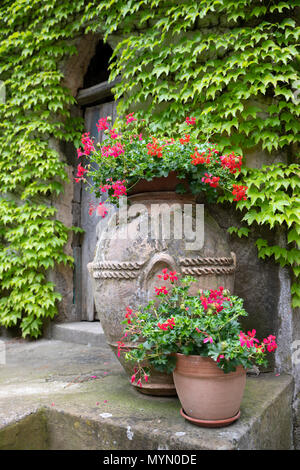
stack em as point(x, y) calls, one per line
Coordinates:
point(97, 102)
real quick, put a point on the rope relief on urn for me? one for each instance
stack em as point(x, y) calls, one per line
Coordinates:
point(188, 266)
point(209, 265)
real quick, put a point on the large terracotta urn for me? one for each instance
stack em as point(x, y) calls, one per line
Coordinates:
point(130, 254)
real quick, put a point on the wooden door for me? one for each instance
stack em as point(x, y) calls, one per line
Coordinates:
point(91, 224)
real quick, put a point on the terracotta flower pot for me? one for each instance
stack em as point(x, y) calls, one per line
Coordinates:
point(159, 383)
point(208, 396)
point(161, 184)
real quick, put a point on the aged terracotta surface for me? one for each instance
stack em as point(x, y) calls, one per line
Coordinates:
point(124, 271)
point(159, 184)
point(206, 393)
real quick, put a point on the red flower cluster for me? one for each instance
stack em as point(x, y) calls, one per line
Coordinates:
point(128, 314)
point(113, 134)
point(80, 173)
point(170, 323)
point(203, 157)
point(213, 181)
point(161, 291)
point(185, 140)
point(270, 342)
point(168, 275)
point(120, 346)
point(130, 118)
point(239, 192)
point(153, 148)
point(139, 382)
point(102, 124)
point(232, 162)
point(199, 158)
point(88, 145)
point(248, 339)
point(190, 121)
point(118, 188)
point(113, 150)
point(214, 300)
point(212, 150)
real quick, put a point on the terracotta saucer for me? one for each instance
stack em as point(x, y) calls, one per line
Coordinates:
point(216, 423)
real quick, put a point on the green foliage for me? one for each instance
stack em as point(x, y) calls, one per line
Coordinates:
point(273, 201)
point(206, 325)
point(233, 64)
point(31, 243)
point(241, 232)
point(221, 59)
point(33, 42)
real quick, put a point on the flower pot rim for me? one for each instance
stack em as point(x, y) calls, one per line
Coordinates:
point(159, 184)
point(163, 195)
point(195, 355)
point(239, 368)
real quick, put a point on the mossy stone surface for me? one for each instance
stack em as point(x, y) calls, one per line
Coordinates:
point(57, 395)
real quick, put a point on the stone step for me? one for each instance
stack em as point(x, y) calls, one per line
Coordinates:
point(81, 332)
point(66, 396)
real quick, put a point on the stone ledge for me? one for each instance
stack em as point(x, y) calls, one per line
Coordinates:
point(82, 332)
point(77, 397)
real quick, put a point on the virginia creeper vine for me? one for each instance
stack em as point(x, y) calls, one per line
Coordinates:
point(233, 64)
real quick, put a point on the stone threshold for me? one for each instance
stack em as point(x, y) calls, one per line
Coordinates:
point(65, 396)
point(81, 332)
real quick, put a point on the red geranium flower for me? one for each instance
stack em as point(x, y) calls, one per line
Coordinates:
point(239, 192)
point(185, 140)
point(102, 124)
point(161, 290)
point(190, 121)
